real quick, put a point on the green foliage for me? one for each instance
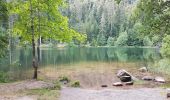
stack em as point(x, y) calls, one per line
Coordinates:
point(3, 42)
point(64, 78)
point(118, 1)
point(94, 18)
point(4, 77)
point(75, 84)
point(156, 39)
point(154, 16)
point(3, 13)
point(44, 94)
point(122, 39)
point(110, 41)
point(47, 20)
point(165, 50)
point(147, 41)
point(101, 40)
point(94, 42)
point(3, 27)
point(57, 85)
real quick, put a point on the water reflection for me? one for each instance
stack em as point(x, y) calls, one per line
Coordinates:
point(21, 58)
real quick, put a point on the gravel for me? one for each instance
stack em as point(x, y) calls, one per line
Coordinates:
point(113, 94)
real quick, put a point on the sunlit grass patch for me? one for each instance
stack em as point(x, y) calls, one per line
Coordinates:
point(44, 94)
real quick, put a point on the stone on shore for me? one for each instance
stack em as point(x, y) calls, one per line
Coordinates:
point(143, 69)
point(104, 86)
point(168, 93)
point(129, 83)
point(118, 84)
point(148, 78)
point(123, 72)
point(159, 79)
point(125, 78)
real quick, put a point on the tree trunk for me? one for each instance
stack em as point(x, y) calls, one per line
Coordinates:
point(34, 61)
point(39, 36)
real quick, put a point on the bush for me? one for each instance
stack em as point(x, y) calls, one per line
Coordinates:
point(57, 85)
point(165, 50)
point(122, 39)
point(64, 78)
point(147, 41)
point(75, 84)
point(4, 78)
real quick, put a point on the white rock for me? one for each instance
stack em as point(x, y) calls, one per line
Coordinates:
point(143, 69)
point(160, 79)
point(117, 84)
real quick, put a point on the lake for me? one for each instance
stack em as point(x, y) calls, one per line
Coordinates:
point(18, 66)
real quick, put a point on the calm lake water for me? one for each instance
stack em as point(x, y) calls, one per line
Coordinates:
point(20, 60)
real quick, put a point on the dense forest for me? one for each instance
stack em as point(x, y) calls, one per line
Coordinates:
point(129, 23)
point(124, 23)
point(105, 22)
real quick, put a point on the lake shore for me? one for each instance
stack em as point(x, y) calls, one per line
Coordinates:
point(90, 76)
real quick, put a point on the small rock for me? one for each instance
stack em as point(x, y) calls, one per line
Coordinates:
point(143, 69)
point(148, 78)
point(104, 86)
point(125, 78)
point(65, 82)
point(122, 72)
point(159, 79)
point(129, 83)
point(168, 93)
point(117, 84)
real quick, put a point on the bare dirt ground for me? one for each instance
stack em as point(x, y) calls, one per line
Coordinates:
point(15, 91)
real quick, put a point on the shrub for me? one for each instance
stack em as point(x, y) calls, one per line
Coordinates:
point(147, 41)
point(75, 84)
point(165, 50)
point(4, 78)
point(122, 39)
point(64, 78)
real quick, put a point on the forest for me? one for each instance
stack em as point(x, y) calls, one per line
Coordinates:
point(102, 23)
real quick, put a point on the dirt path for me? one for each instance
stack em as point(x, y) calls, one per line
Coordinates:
point(23, 85)
point(108, 94)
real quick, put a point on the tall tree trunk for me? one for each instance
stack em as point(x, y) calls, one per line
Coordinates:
point(34, 61)
point(39, 36)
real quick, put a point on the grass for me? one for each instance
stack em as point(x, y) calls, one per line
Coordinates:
point(44, 94)
point(139, 82)
point(165, 86)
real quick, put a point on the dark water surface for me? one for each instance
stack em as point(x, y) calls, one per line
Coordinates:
point(19, 63)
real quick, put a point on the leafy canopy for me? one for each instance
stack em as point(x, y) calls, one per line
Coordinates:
point(48, 21)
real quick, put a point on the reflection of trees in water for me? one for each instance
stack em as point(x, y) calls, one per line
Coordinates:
point(51, 56)
point(121, 54)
